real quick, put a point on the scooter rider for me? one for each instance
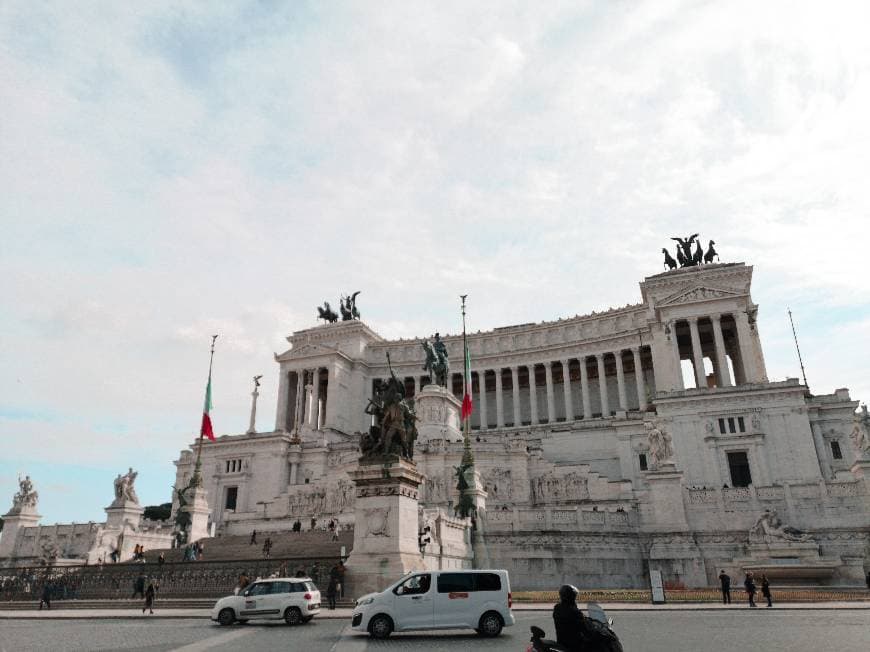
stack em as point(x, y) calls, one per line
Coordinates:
point(569, 620)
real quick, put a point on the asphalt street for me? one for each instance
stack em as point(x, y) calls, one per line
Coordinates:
point(660, 631)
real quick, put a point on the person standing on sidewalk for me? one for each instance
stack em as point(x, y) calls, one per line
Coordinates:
point(331, 590)
point(253, 538)
point(765, 590)
point(725, 581)
point(139, 586)
point(46, 596)
point(749, 585)
point(150, 594)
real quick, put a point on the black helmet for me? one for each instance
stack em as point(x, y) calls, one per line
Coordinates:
point(568, 593)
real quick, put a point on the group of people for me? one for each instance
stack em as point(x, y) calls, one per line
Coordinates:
point(139, 553)
point(749, 585)
point(193, 551)
point(147, 590)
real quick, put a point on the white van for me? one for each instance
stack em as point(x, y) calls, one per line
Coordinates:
point(445, 599)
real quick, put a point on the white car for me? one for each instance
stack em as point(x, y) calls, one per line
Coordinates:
point(295, 599)
point(445, 599)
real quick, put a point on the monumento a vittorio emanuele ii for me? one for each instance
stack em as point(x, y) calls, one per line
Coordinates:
point(595, 459)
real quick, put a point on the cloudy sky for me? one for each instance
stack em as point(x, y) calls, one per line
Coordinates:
point(170, 170)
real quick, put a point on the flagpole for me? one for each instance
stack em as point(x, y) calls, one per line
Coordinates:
point(467, 457)
point(197, 470)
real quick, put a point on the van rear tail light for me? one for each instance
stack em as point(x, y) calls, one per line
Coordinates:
point(307, 596)
point(510, 599)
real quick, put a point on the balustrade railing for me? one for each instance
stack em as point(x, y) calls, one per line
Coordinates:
point(195, 579)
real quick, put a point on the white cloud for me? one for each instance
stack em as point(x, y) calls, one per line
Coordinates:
point(169, 172)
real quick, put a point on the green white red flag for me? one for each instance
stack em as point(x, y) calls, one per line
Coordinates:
point(467, 406)
point(206, 429)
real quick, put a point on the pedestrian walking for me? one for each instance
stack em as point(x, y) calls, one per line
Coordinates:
point(161, 559)
point(749, 585)
point(139, 586)
point(765, 590)
point(150, 594)
point(331, 590)
point(45, 598)
point(725, 581)
point(267, 547)
point(253, 538)
point(244, 580)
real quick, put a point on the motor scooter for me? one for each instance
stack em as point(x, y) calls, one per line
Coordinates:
point(601, 629)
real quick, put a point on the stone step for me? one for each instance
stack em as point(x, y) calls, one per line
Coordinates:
point(170, 603)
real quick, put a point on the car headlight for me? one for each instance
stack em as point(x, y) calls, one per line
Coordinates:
point(364, 601)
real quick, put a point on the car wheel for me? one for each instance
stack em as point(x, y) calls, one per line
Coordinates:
point(380, 626)
point(293, 616)
point(226, 617)
point(490, 624)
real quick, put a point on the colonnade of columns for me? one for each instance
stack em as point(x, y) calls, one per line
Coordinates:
point(547, 411)
point(717, 350)
point(308, 411)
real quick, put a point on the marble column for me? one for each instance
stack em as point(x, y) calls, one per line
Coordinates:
point(678, 363)
point(283, 401)
point(744, 342)
point(620, 381)
point(602, 386)
point(697, 354)
point(499, 400)
point(416, 385)
point(481, 386)
point(724, 377)
point(300, 400)
point(314, 417)
point(533, 395)
point(566, 388)
point(551, 400)
point(638, 378)
point(584, 389)
point(515, 388)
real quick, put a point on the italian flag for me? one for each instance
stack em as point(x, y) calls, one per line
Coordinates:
point(206, 430)
point(467, 406)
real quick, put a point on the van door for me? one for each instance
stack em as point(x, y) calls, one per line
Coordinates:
point(455, 603)
point(413, 603)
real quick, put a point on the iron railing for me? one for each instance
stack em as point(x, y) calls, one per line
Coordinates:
point(196, 579)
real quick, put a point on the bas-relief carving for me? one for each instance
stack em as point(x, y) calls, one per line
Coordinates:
point(569, 487)
point(436, 489)
point(377, 521)
point(316, 500)
point(497, 484)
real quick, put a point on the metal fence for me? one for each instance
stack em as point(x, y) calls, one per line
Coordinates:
point(195, 579)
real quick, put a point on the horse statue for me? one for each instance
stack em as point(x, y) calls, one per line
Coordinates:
point(327, 313)
point(436, 361)
point(670, 263)
point(698, 258)
point(711, 253)
point(395, 430)
point(687, 258)
point(348, 307)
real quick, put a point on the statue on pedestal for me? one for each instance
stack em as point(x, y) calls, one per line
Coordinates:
point(395, 431)
point(327, 313)
point(26, 496)
point(661, 446)
point(860, 434)
point(124, 491)
point(348, 307)
point(688, 258)
point(768, 528)
point(436, 361)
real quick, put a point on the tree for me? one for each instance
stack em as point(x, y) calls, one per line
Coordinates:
point(158, 512)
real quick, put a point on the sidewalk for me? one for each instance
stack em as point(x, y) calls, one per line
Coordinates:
point(59, 613)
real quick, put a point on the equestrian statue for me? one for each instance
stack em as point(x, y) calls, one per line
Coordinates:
point(686, 257)
point(395, 429)
point(436, 361)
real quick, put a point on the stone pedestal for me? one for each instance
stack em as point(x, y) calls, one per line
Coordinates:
point(666, 497)
point(197, 507)
point(789, 562)
point(385, 544)
point(13, 523)
point(123, 512)
point(438, 413)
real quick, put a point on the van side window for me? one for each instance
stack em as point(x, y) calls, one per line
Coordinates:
point(487, 582)
point(416, 585)
point(455, 582)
